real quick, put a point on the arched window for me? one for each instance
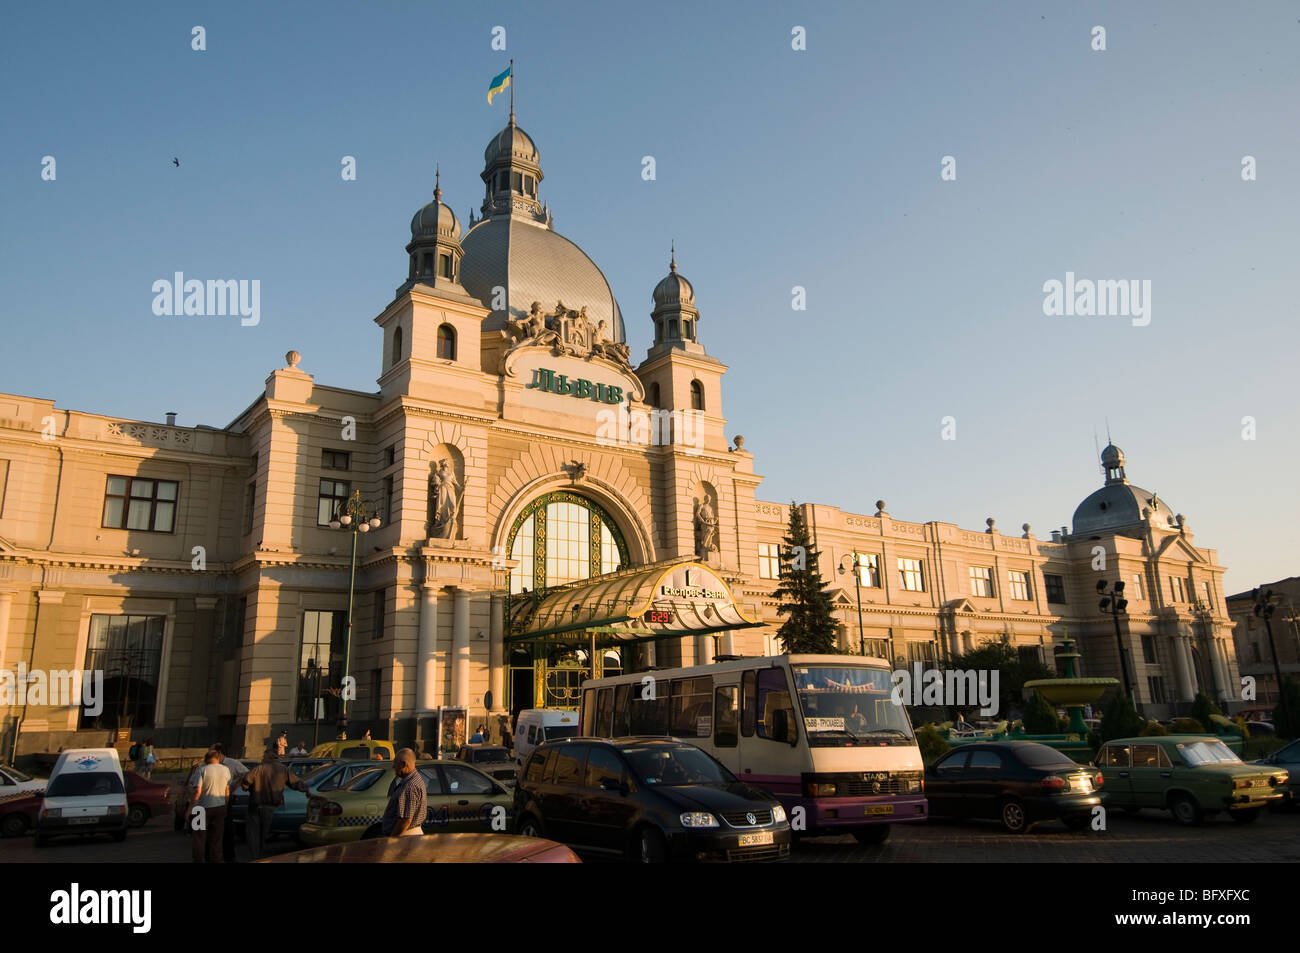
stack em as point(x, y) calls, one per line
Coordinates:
point(447, 342)
point(653, 396)
point(397, 345)
point(697, 395)
point(562, 537)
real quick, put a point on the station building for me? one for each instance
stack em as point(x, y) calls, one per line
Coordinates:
point(516, 506)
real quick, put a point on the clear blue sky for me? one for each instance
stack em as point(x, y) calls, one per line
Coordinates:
point(775, 168)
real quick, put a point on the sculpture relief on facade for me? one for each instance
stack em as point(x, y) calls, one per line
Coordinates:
point(566, 331)
point(706, 527)
point(444, 501)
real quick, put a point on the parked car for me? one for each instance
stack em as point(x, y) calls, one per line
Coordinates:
point(362, 749)
point(1288, 758)
point(13, 781)
point(325, 777)
point(145, 799)
point(535, 726)
point(86, 794)
point(1017, 782)
point(459, 798)
point(651, 800)
point(492, 760)
point(1193, 776)
point(1261, 729)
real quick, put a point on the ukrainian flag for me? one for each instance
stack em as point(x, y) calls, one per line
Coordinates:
point(499, 83)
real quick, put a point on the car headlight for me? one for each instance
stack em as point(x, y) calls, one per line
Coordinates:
point(913, 787)
point(699, 819)
point(52, 812)
point(778, 814)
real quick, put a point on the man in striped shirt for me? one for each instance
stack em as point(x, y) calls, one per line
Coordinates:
point(404, 816)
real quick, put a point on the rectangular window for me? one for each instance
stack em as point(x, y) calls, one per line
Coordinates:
point(649, 716)
point(138, 504)
point(1156, 686)
point(1209, 599)
point(1055, 586)
point(981, 581)
point(748, 702)
point(388, 499)
point(775, 710)
point(769, 561)
point(726, 717)
point(517, 181)
point(250, 506)
point(1136, 591)
point(333, 496)
point(1176, 591)
point(1149, 649)
point(691, 711)
point(1030, 654)
point(911, 575)
point(603, 716)
point(1019, 580)
point(868, 570)
point(444, 266)
point(335, 460)
point(922, 652)
point(128, 650)
point(390, 455)
point(381, 607)
point(320, 663)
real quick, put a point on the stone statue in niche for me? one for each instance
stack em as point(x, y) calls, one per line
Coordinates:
point(444, 492)
point(706, 528)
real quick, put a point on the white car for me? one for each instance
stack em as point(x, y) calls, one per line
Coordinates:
point(86, 794)
point(13, 782)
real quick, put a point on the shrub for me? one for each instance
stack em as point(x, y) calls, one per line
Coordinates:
point(1153, 728)
point(1240, 724)
point(1040, 716)
point(1188, 726)
point(1119, 719)
point(1203, 707)
point(933, 745)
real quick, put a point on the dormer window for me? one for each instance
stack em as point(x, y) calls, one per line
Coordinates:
point(444, 266)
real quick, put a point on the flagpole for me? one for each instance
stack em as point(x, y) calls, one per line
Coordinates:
point(512, 92)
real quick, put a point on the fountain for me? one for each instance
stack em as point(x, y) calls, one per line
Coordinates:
point(1071, 692)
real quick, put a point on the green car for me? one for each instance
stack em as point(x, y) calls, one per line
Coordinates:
point(1194, 776)
point(460, 798)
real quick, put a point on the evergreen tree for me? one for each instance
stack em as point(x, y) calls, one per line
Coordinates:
point(1202, 708)
point(810, 623)
point(1040, 716)
point(1119, 719)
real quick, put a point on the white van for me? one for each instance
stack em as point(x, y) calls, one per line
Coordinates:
point(535, 725)
point(86, 794)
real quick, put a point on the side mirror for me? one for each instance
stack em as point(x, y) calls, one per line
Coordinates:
point(611, 785)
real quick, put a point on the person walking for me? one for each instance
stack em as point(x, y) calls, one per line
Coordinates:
point(282, 744)
point(211, 794)
point(237, 771)
point(145, 759)
point(407, 799)
point(265, 785)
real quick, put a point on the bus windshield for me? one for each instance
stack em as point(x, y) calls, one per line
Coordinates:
point(845, 706)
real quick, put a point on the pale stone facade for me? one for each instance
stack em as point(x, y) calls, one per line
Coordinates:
point(199, 568)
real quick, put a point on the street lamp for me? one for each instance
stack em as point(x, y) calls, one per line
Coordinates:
point(357, 517)
point(1113, 601)
point(853, 562)
point(1264, 609)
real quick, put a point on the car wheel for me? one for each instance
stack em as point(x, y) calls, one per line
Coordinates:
point(138, 816)
point(651, 846)
point(1186, 811)
point(873, 834)
point(1014, 818)
point(15, 825)
point(1076, 822)
point(528, 827)
point(1247, 815)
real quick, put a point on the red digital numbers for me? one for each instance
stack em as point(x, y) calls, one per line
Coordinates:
point(658, 617)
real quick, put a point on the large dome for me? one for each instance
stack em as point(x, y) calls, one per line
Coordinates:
point(1120, 504)
point(533, 263)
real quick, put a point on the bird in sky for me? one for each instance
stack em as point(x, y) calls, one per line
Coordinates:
point(176, 162)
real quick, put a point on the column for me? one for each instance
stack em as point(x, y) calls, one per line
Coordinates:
point(647, 653)
point(727, 644)
point(205, 626)
point(704, 650)
point(1189, 663)
point(496, 651)
point(6, 605)
point(460, 649)
point(1221, 686)
point(426, 650)
point(1182, 670)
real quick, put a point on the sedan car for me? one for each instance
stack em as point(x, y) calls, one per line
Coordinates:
point(459, 798)
point(650, 800)
point(13, 781)
point(1193, 776)
point(1287, 758)
point(1016, 782)
point(323, 778)
point(492, 760)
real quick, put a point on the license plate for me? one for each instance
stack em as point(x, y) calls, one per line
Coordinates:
point(82, 820)
point(751, 840)
point(879, 809)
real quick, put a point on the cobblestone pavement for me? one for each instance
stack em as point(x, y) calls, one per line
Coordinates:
point(1149, 837)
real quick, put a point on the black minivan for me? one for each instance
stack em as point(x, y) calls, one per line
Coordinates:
point(648, 799)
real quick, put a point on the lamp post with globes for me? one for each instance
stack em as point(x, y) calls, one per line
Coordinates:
point(1113, 601)
point(853, 562)
point(358, 516)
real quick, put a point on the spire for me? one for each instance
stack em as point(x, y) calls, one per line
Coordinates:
point(512, 91)
point(437, 182)
point(672, 263)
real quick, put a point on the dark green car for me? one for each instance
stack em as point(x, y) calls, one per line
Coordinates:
point(1194, 776)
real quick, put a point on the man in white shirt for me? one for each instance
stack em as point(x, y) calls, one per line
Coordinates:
point(211, 795)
